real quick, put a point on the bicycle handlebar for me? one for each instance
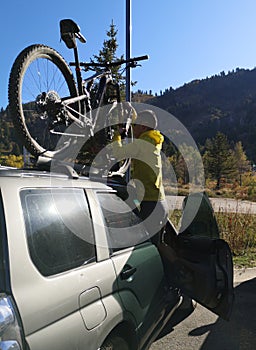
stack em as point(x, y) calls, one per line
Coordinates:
point(111, 64)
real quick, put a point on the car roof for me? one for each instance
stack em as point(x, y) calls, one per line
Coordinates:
point(65, 177)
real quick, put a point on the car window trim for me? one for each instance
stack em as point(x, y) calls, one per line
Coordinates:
point(5, 284)
point(101, 244)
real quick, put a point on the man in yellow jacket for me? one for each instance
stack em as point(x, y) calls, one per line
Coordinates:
point(145, 152)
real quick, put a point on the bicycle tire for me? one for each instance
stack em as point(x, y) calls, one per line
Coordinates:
point(109, 118)
point(34, 74)
point(106, 116)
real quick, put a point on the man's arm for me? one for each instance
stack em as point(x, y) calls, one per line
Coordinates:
point(122, 151)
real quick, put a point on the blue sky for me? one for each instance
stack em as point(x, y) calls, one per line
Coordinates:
point(185, 39)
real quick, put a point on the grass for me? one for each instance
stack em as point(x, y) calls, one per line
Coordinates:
point(246, 260)
point(246, 190)
point(239, 231)
point(235, 228)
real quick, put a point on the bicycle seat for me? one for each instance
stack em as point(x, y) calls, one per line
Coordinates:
point(69, 31)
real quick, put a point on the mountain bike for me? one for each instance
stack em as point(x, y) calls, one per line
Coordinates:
point(45, 98)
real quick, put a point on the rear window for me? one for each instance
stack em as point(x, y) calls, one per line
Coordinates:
point(59, 229)
point(124, 227)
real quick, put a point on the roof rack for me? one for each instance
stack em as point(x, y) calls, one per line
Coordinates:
point(57, 166)
point(73, 170)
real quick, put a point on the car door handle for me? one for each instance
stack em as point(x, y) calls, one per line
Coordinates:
point(127, 272)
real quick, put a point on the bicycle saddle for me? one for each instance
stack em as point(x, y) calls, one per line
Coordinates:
point(69, 31)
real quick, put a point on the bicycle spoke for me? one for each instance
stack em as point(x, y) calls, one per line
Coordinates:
point(40, 80)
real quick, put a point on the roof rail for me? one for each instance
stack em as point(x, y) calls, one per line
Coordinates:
point(56, 165)
point(74, 170)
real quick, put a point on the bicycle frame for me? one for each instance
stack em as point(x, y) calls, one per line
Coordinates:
point(84, 96)
point(84, 89)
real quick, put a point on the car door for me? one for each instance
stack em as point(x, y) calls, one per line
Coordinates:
point(60, 288)
point(197, 261)
point(140, 278)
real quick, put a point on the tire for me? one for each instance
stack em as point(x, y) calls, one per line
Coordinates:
point(115, 342)
point(108, 118)
point(40, 73)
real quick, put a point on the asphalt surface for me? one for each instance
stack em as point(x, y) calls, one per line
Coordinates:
point(243, 275)
point(203, 330)
point(225, 205)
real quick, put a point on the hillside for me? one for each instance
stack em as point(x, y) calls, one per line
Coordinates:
point(9, 143)
point(224, 102)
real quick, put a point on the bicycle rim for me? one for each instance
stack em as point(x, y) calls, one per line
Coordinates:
point(40, 79)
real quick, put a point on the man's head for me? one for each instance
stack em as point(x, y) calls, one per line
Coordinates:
point(146, 120)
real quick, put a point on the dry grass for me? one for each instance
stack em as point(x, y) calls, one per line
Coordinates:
point(239, 231)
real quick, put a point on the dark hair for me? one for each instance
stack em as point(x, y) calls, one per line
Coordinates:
point(147, 118)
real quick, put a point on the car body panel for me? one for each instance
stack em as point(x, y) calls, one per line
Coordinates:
point(146, 276)
point(143, 290)
point(205, 275)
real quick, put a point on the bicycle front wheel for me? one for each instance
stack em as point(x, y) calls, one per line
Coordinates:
point(39, 80)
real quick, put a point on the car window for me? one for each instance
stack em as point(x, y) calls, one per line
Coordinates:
point(198, 217)
point(59, 229)
point(124, 228)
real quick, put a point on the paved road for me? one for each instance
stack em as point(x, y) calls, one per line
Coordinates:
point(219, 204)
point(203, 330)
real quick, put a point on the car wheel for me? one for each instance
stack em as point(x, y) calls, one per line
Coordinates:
point(115, 342)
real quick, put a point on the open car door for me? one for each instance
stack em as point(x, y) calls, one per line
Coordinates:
point(197, 261)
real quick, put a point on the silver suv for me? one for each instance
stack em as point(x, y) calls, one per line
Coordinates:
point(78, 270)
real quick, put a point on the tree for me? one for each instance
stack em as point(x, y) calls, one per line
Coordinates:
point(108, 54)
point(105, 55)
point(187, 164)
point(242, 163)
point(185, 161)
point(12, 160)
point(16, 149)
point(219, 159)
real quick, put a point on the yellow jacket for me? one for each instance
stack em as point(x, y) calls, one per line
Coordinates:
point(145, 153)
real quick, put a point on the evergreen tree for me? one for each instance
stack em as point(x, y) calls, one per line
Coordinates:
point(242, 163)
point(219, 159)
point(108, 54)
point(180, 168)
point(188, 165)
point(16, 149)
